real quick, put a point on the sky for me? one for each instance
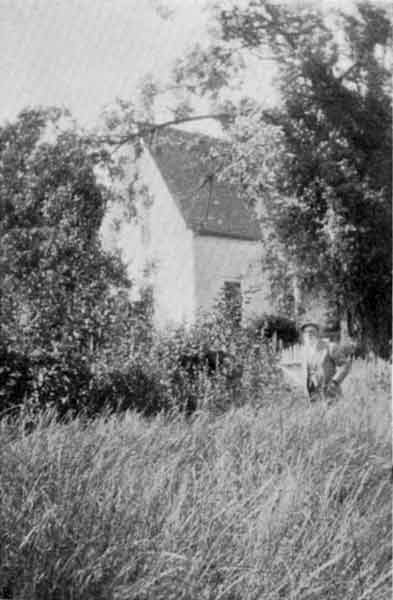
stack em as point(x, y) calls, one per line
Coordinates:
point(82, 54)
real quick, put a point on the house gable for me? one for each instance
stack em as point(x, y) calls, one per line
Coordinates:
point(225, 236)
point(169, 249)
point(209, 206)
point(192, 242)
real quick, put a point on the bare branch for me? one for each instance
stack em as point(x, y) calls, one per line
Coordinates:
point(144, 128)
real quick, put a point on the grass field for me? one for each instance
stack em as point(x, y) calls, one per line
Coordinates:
point(283, 502)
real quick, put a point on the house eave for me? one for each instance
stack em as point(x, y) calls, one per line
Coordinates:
point(204, 232)
point(148, 152)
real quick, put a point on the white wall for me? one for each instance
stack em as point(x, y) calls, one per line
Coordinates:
point(220, 259)
point(170, 248)
point(157, 238)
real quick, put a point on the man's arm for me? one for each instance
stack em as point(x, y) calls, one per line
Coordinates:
point(342, 361)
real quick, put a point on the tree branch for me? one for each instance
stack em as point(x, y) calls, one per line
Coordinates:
point(144, 128)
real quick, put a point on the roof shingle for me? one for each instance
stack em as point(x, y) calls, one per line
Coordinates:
point(208, 205)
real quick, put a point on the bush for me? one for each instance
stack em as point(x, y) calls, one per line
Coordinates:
point(213, 366)
point(42, 381)
point(132, 388)
point(15, 379)
point(63, 383)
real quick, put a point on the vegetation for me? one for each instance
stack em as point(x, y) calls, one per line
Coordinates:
point(63, 304)
point(283, 502)
point(70, 339)
point(320, 160)
point(156, 376)
point(55, 279)
point(230, 489)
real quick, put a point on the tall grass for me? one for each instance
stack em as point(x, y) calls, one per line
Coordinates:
point(286, 501)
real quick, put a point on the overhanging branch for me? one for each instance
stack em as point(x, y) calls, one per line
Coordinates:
point(143, 128)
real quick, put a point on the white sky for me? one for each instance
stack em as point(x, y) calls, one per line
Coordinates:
point(85, 53)
point(82, 54)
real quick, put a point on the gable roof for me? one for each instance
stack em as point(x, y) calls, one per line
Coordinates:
point(208, 206)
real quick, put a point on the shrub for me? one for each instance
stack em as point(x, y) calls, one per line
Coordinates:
point(212, 365)
point(133, 388)
point(63, 383)
point(15, 379)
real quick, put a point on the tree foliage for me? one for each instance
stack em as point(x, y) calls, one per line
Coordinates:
point(55, 278)
point(62, 305)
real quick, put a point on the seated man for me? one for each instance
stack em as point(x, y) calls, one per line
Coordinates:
point(325, 365)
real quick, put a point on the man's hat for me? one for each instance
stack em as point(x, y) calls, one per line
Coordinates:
point(309, 324)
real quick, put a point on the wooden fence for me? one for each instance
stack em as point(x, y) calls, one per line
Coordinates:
point(292, 355)
point(291, 364)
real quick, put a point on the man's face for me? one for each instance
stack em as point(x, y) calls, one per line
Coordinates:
point(310, 335)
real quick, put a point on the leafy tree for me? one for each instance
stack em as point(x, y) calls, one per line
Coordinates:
point(321, 159)
point(58, 287)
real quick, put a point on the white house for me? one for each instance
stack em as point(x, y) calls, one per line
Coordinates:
point(192, 237)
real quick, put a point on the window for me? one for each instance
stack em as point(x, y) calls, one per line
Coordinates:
point(233, 301)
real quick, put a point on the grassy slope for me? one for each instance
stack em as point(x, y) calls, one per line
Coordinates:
point(285, 502)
